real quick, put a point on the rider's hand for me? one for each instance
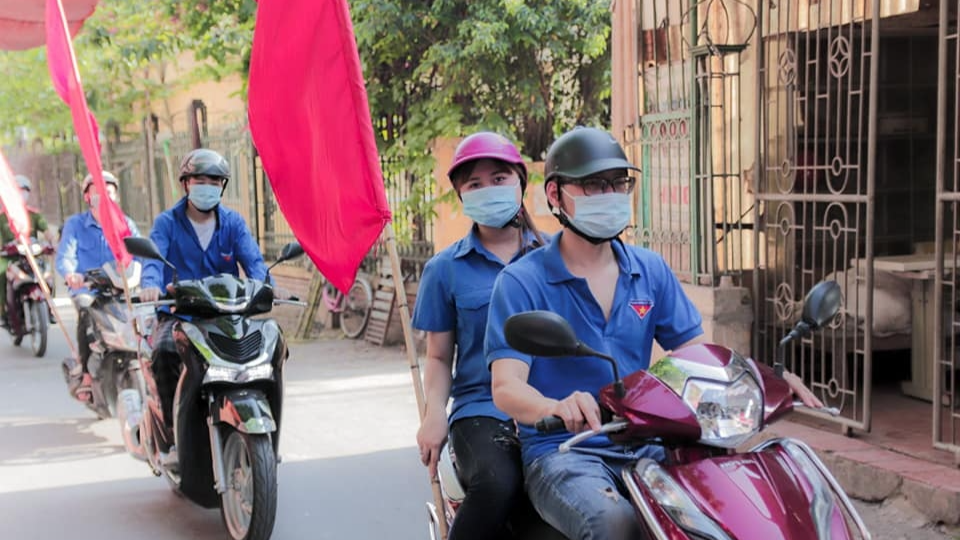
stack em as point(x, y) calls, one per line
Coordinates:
point(149, 294)
point(430, 437)
point(74, 280)
point(579, 411)
point(801, 391)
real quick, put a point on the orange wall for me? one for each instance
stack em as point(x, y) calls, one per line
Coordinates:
point(450, 224)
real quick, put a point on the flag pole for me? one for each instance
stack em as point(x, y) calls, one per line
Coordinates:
point(390, 239)
point(47, 295)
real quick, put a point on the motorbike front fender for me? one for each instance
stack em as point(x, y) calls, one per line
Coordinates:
point(247, 411)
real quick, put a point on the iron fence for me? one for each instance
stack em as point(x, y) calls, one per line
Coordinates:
point(147, 170)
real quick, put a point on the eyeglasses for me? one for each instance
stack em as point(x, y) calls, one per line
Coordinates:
point(596, 185)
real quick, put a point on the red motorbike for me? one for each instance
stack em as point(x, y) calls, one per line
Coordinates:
point(700, 403)
point(27, 311)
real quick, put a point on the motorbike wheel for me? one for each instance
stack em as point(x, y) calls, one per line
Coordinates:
point(40, 318)
point(249, 505)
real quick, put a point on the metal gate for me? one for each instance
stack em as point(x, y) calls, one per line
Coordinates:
point(814, 185)
point(946, 412)
point(662, 141)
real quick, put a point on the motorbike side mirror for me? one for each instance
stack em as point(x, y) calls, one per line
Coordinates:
point(144, 247)
point(289, 252)
point(821, 304)
point(546, 334)
point(541, 333)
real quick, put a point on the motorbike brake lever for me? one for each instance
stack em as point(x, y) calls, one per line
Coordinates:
point(832, 411)
point(611, 427)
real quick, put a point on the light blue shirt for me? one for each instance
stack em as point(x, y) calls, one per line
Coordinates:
point(83, 246)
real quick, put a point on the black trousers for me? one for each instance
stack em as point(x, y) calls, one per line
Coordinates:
point(83, 339)
point(166, 364)
point(488, 461)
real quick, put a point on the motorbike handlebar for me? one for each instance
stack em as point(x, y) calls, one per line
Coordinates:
point(549, 424)
point(832, 411)
point(155, 303)
point(293, 301)
point(610, 427)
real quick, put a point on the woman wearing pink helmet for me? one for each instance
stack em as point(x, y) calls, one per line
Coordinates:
point(489, 176)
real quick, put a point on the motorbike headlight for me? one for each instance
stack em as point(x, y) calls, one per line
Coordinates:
point(728, 413)
point(677, 504)
point(238, 373)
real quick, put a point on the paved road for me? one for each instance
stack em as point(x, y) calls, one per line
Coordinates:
point(349, 465)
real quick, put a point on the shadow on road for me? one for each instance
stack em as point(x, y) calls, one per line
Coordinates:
point(317, 500)
point(34, 441)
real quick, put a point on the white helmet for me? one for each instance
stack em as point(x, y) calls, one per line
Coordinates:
point(107, 177)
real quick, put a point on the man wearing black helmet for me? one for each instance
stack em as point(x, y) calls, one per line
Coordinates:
point(201, 237)
point(83, 247)
point(620, 299)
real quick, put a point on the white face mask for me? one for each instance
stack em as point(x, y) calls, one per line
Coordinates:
point(492, 206)
point(602, 216)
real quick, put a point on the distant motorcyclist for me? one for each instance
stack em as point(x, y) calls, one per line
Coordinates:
point(201, 237)
point(83, 247)
point(38, 224)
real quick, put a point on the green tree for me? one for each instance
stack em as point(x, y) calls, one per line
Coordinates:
point(122, 53)
point(528, 68)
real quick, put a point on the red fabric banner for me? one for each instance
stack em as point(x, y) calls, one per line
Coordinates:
point(13, 205)
point(310, 122)
point(66, 80)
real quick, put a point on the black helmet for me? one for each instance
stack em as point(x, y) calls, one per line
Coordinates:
point(204, 162)
point(582, 152)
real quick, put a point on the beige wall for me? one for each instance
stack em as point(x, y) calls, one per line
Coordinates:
point(222, 98)
point(450, 224)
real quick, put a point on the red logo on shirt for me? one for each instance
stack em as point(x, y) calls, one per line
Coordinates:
point(227, 256)
point(641, 307)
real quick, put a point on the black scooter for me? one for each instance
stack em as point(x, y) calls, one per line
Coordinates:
point(229, 399)
point(114, 359)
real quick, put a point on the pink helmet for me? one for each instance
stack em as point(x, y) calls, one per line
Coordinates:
point(488, 145)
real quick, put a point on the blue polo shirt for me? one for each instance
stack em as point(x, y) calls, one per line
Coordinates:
point(648, 304)
point(231, 247)
point(83, 246)
point(454, 295)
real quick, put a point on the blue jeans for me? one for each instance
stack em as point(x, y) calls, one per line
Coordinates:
point(582, 494)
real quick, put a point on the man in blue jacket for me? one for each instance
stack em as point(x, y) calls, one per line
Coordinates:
point(201, 237)
point(83, 247)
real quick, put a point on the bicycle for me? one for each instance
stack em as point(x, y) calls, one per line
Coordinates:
point(350, 311)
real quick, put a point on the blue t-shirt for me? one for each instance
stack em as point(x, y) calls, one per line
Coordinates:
point(454, 295)
point(231, 247)
point(648, 304)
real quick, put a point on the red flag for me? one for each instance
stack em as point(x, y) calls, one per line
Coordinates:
point(13, 204)
point(311, 125)
point(66, 80)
